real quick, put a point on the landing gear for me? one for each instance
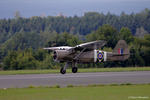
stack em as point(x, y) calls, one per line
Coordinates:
point(62, 71)
point(74, 69)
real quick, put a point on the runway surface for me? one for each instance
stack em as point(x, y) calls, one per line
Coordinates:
point(7, 81)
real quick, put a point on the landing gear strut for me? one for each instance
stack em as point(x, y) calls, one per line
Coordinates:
point(62, 71)
point(74, 69)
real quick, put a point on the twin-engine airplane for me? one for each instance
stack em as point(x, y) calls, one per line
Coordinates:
point(88, 53)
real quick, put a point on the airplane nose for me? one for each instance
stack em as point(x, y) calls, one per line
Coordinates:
point(54, 55)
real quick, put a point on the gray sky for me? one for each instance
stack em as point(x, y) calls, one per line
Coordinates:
point(29, 8)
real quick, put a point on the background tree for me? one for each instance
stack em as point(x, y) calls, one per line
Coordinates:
point(74, 41)
point(126, 35)
point(140, 32)
point(16, 14)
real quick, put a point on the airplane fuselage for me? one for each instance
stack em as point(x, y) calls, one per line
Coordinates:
point(86, 57)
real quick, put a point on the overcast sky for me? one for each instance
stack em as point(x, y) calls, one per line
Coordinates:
point(29, 8)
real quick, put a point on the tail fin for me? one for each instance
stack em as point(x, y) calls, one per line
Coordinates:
point(121, 50)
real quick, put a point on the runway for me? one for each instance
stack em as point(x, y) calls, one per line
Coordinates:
point(7, 81)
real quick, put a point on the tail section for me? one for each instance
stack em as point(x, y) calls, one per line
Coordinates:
point(121, 51)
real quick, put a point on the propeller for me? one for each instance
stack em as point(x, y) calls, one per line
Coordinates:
point(54, 55)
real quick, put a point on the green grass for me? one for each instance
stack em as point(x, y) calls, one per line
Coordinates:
point(13, 72)
point(77, 93)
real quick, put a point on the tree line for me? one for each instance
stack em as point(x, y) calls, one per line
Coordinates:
point(73, 25)
point(42, 59)
point(29, 58)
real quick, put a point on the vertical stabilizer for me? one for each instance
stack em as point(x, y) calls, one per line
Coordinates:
point(121, 49)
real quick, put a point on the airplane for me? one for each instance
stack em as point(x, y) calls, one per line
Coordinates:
point(88, 53)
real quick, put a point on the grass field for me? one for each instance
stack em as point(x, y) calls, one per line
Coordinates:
point(78, 93)
point(13, 72)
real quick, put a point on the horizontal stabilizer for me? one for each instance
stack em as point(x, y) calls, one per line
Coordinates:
point(119, 54)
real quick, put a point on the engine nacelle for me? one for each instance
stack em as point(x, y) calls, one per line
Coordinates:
point(62, 55)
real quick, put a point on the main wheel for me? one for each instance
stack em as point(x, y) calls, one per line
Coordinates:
point(62, 71)
point(74, 69)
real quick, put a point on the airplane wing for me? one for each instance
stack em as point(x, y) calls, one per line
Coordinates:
point(87, 46)
point(58, 48)
point(91, 45)
point(51, 48)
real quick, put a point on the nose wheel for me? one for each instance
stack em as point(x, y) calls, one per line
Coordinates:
point(74, 69)
point(62, 71)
